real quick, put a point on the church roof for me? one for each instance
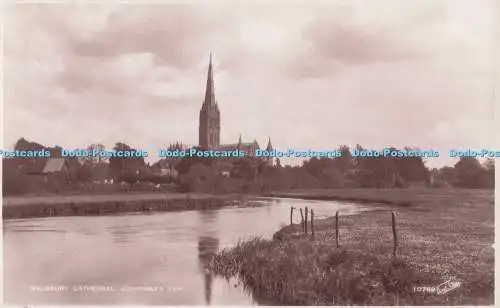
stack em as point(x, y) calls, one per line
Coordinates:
point(227, 147)
point(33, 166)
point(235, 145)
point(247, 147)
point(55, 164)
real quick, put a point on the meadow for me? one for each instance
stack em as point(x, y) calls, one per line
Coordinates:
point(442, 234)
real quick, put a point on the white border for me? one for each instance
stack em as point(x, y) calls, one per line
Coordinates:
point(495, 101)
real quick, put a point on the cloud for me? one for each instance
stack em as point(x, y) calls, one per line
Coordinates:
point(170, 33)
point(353, 45)
point(368, 72)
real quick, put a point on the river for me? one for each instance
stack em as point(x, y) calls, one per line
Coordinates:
point(138, 259)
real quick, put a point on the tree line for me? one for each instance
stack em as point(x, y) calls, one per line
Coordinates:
point(345, 171)
point(252, 174)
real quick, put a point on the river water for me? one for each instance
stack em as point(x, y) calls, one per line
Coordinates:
point(138, 259)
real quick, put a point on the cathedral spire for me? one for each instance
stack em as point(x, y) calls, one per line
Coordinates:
point(269, 145)
point(210, 91)
point(209, 127)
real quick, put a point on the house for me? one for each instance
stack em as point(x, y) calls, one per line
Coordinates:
point(169, 172)
point(52, 169)
point(34, 166)
point(223, 168)
point(59, 171)
point(56, 164)
point(166, 167)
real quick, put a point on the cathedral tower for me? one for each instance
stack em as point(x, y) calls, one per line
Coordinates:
point(269, 148)
point(209, 129)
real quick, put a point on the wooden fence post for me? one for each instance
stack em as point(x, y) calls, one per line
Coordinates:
point(312, 222)
point(337, 228)
point(291, 215)
point(394, 234)
point(305, 221)
point(302, 218)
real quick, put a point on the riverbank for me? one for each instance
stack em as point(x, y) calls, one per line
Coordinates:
point(442, 233)
point(406, 197)
point(93, 205)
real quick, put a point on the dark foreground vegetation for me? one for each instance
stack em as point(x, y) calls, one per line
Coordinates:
point(443, 233)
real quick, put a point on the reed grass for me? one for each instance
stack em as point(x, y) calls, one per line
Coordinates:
point(441, 235)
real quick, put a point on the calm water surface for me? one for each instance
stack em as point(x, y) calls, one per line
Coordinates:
point(146, 259)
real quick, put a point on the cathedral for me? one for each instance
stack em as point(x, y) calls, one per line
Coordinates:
point(209, 127)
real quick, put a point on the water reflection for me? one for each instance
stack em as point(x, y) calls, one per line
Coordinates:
point(208, 245)
point(171, 249)
point(123, 233)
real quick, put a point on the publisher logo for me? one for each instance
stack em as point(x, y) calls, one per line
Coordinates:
point(447, 286)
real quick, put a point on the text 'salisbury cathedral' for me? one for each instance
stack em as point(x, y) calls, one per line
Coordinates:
point(209, 129)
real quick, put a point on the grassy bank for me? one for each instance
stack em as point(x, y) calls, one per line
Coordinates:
point(86, 205)
point(443, 233)
point(400, 197)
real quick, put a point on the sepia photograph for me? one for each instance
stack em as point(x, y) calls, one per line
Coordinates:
point(248, 153)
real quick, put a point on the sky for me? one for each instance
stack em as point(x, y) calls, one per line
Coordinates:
point(306, 74)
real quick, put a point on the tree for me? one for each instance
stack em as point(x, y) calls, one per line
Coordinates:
point(345, 161)
point(357, 160)
point(128, 177)
point(412, 169)
point(23, 144)
point(243, 168)
point(199, 178)
point(471, 174)
point(489, 166)
point(316, 166)
point(447, 174)
point(128, 165)
point(375, 171)
point(83, 173)
point(97, 147)
point(186, 162)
